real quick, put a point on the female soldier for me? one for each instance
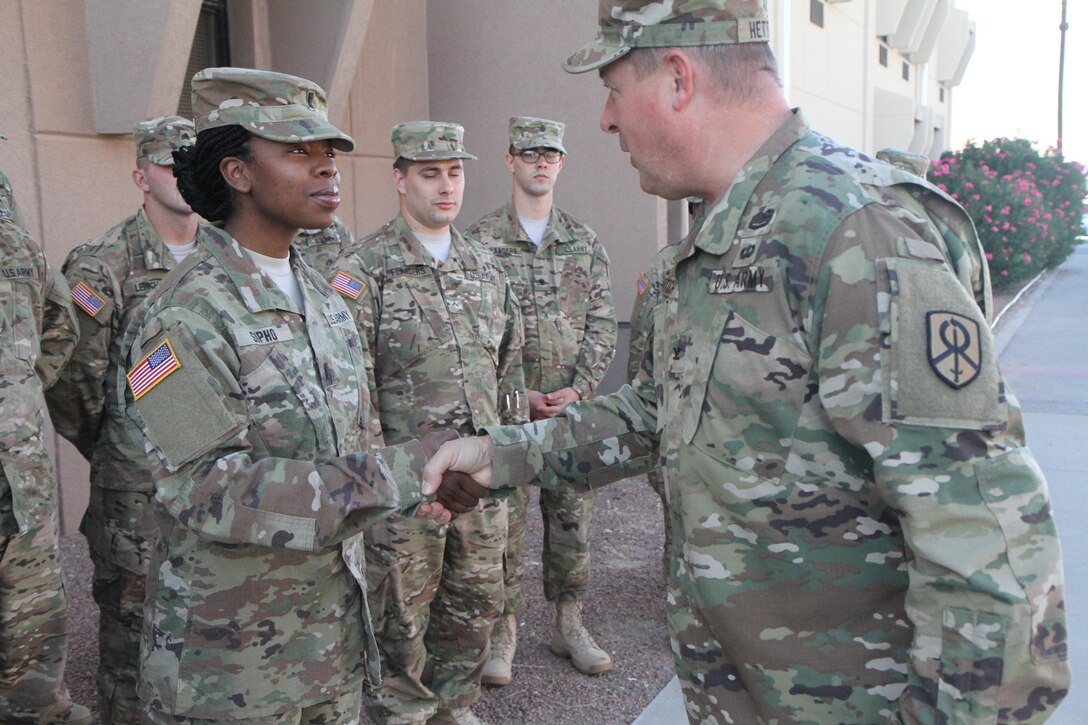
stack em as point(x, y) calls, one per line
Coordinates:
point(249, 381)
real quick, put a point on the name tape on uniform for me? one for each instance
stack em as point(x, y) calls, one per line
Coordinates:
point(153, 369)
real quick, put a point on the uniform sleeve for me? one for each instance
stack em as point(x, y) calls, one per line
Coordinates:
point(907, 374)
point(77, 400)
point(599, 340)
point(213, 472)
point(510, 373)
point(590, 444)
point(641, 322)
point(60, 332)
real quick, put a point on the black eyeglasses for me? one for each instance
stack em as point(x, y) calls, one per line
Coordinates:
point(531, 156)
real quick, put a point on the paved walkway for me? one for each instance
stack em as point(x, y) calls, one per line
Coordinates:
point(1043, 347)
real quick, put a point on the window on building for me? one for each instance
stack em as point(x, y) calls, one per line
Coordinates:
point(211, 48)
point(906, 71)
point(883, 55)
point(816, 12)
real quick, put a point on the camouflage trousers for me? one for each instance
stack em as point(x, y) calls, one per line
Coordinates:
point(567, 517)
point(656, 479)
point(343, 710)
point(33, 628)
point(435, 594)
point(120, 533)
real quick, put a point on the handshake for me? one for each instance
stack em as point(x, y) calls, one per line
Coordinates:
point(457, 474)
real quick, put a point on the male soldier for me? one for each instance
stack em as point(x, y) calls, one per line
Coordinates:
point(110, 277)
point(559, 272)
point(37, 334)
point(863, 536)
point(445, 332)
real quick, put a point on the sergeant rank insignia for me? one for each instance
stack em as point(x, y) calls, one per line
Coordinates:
point(87, 299)
point(955, 348)
point(153, 369)
point(347, 285)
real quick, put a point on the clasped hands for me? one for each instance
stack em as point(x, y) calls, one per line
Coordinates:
point(457, 473)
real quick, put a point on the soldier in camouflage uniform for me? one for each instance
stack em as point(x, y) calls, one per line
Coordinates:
point(862, 535)
point(559, 272)
point(445, 333)
point(110, 277)
point(37, 335)
point(321, 247)
point(249, 383)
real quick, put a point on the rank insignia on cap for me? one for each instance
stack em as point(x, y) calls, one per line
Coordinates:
point(348, 286)
point(87, 299)
point(955, 347)
point(153, 369)
point(642, 285)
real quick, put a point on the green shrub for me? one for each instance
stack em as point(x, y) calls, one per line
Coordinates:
point(1027, 206)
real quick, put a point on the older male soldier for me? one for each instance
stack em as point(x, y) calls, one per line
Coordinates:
point(863, 535)
point(37, 334)
point(445, 332)
point(559, 272)
point(110, 277)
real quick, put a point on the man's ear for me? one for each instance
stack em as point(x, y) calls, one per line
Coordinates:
point(139, 178)
point(681, 72)
point(235, 172)
point(510, 163)
point(399, 181)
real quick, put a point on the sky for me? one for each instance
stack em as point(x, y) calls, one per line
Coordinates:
point(1010, 87)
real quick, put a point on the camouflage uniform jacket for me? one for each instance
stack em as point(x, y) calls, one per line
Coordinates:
point(320, 247)
point(260, 447)
point(37, 335)
point(877, 541)
point(565, 296)
point(647, 295)
point(118, 271)
point(446, 337)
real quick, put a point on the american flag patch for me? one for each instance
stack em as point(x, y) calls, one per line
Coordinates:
point(87, 300)
point(153, 369)
point(642, 285)
point(347, 285)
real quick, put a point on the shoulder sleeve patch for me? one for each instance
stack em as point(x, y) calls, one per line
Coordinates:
point(153, 369)
point(348, 286)
point(87, 299)
point(641, 285)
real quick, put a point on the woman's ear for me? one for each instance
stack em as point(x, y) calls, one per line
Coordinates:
point(235, 172)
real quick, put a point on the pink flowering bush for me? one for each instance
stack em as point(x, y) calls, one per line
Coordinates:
point(1027, 206)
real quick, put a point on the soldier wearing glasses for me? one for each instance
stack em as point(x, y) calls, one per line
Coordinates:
point(559, 272)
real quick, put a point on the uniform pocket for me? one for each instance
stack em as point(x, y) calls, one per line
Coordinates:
point(18, 325)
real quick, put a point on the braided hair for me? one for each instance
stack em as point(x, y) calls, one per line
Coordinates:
point(197, 170)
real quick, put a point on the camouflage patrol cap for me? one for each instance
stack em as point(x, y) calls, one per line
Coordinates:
point(156, 138)
point(627, 24)
point(274, 106)
point(426, 140)
point(527, 132)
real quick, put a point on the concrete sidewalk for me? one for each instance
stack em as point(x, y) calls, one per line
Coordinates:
point(1042, 343)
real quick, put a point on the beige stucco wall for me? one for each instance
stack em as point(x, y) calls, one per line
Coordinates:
point(74, 183)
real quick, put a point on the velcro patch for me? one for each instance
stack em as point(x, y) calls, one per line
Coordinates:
point(153, 369)
point(641, 285)
point(348, 286)
point(955, 347)
point(87, 299)
point(263, 335)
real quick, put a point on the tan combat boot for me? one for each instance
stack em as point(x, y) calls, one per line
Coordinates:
point(570, 639)
point(499, 668)
point(455, 716)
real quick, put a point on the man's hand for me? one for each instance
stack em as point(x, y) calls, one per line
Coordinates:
point(434, 511)
point(549, 405)
point(471, 456)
